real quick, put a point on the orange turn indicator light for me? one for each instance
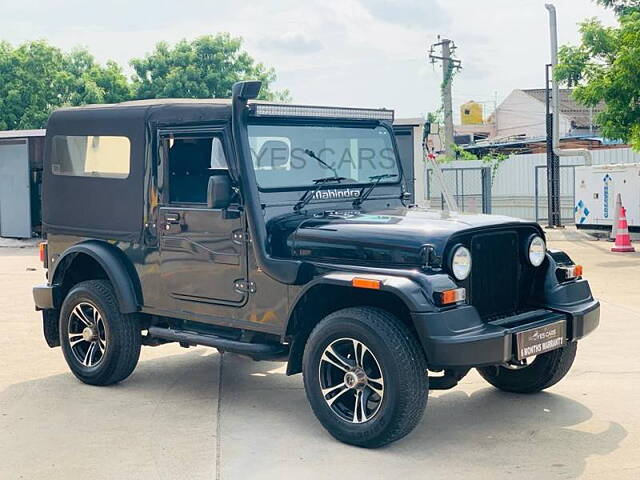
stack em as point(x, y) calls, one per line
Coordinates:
point(570, 272)
point(366, 283)
point(452, 296)
point(43, 247)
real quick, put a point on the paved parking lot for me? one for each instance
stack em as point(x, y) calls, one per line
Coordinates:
point(191, 414)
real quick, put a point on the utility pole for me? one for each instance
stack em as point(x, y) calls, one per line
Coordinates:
point(555, 121)
point(449, 65)
point(553, 161)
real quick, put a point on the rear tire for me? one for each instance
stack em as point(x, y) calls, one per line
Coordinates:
point(546, 370)
point(376, 387)
point(100, 344)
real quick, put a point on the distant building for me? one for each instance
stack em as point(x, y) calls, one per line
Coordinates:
point(472, 126)
point(471, 113)
point(522, 115)
point(472, 133)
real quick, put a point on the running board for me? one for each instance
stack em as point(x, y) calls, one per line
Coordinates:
point(257, 351)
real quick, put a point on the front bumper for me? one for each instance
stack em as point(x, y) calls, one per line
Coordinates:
point(459, 338)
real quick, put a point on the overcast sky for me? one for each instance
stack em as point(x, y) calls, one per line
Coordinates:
point(335, 52)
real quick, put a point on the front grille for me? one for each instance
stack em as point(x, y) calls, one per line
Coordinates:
point(495, 282)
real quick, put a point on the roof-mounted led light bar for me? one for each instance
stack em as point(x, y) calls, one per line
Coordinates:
point(275, 110)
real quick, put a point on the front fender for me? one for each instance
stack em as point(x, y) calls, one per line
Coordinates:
point(414, 290)
point(117, 267)
point(561, 296)
point(416, 295)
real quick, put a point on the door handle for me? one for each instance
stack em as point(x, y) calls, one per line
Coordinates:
point(172, 218)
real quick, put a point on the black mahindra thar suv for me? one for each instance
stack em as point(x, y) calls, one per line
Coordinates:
point(285, 232)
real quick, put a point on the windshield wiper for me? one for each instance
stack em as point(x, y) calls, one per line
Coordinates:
point(365, 192)
point(321, 162)
point(309, 194)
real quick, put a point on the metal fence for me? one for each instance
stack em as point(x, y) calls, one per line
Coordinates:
point(519, 188)
point(471, 188)
point(567, 193)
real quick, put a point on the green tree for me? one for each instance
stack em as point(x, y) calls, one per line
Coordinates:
point(621, 7)
point(203, 68)
point(605, 67)
point(36, 78)
point(94, 83)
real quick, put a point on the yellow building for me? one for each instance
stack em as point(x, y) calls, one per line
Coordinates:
point(471, 113)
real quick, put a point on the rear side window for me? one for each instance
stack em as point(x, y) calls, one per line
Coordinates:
point(91, 156)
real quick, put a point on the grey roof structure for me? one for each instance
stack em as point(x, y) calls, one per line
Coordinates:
point(580, 115)
point(22, 133)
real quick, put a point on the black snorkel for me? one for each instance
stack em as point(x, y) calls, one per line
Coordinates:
point(284, 271)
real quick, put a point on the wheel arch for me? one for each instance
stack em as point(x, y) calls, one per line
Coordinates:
point(95, 259)
point(397, 295)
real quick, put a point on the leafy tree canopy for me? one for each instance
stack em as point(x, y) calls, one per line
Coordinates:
point(36, 78)
point(621, 7)
point(605, 66)
point(203, 68)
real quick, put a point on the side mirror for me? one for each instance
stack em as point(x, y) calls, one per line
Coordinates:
point(219, 191)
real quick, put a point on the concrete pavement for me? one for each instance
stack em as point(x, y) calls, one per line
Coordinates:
point(191, 414)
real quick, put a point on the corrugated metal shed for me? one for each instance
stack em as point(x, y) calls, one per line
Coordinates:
point(408, 132)
point(21, 153)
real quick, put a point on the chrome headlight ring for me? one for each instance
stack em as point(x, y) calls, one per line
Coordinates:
point(537, 250)
point(461, 262)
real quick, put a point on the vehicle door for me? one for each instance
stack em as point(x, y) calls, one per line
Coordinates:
point(202, 250)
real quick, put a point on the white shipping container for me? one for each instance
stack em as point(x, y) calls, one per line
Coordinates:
point(596, 190)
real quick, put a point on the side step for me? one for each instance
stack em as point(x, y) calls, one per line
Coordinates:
point(257, 351)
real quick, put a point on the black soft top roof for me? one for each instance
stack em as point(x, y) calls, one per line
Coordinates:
point(135, 114)
point(106, 207)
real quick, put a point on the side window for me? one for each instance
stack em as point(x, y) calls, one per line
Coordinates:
point(191, 162)
point(218, 158)
point(91, 156)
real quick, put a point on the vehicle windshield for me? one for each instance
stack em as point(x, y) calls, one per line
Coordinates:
point(294, 156)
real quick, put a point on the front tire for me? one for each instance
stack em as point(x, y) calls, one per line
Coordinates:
point(545, 370)
point(100, 344)
point(365, 376)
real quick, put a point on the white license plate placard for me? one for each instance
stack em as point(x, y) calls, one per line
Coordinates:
point(536, 341)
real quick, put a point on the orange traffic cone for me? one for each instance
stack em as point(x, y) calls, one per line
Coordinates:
point(623, 240)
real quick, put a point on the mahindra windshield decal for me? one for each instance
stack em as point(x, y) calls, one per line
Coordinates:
point(334, 193)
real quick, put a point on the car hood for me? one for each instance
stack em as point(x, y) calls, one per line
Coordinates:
point(399, 237)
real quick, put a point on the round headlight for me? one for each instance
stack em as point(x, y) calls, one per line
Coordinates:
point(461, 263)
point(537, 251)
